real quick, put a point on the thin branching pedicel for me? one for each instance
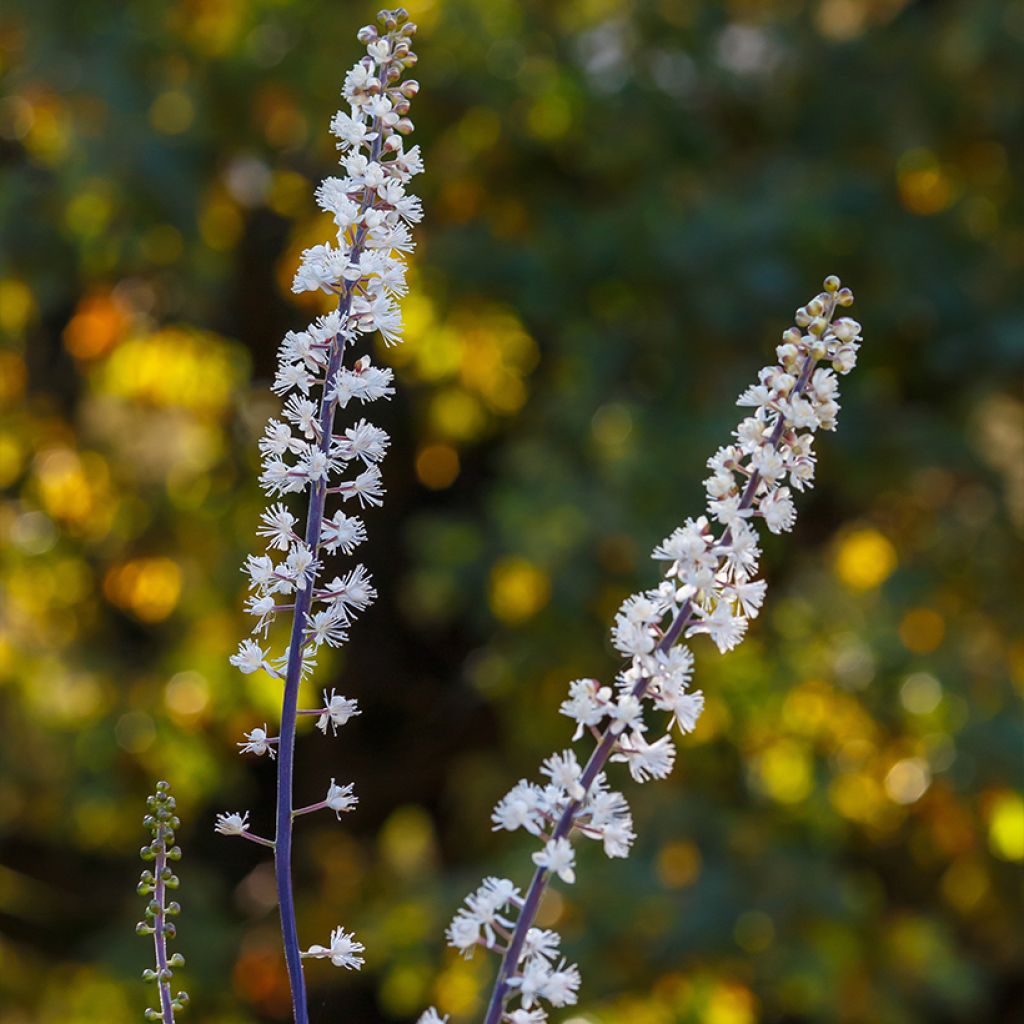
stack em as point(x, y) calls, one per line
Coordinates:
point(304, 452)
point(161, 822)
point(709, 586)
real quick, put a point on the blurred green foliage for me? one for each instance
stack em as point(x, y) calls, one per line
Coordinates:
point(625, 200)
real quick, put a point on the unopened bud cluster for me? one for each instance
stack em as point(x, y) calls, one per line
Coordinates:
point(161, 821)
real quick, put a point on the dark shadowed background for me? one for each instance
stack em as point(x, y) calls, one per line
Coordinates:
point(625, 202)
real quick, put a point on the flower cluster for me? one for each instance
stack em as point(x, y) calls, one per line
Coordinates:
point(304, 452)
point(161, 821)
point(708, 585)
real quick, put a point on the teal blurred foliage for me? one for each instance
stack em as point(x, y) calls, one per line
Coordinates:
point(625, 201)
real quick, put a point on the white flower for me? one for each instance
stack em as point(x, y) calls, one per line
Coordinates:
point(564, 771)
point(337, 711)
point(646, 760)
point(464, 932)
point(232, 824)
point(342, 532)
point(626, 713)
point(778, 510)
point(343, 952)
point(587, 703)
point(721, 625)
point(258, 742)
point(250, 657)
point(519, 808)
point(562, 984)
point(540, 942)
point(521, 1016)
point(368, 488)
point(431, 1016)
point(277, 527)
point(340, 798)
point(557, 857)
point(686, 708)
point(353, 591)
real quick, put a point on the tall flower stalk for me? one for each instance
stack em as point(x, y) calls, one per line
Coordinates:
point(161, 821)
point(306, 453)
point(708, 586)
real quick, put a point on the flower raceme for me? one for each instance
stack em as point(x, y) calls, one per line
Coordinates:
point(304, 452)
point(709, 585)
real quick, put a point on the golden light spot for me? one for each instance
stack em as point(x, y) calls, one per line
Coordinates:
point(11, 459)
point(920, 693)
point(784, 771)
point(908, 780)
point(437, 466)
point(172, 112)
point(187, 696)
point(89, 211)
point(289, 194)
point(865, 559)
point(404, 988)
point(49, 136)
point(175, 367)
point(1006, 826)
point(611, 425)
point(731, 1004)
point(518, 589)
point(479, 129)
point(406, 841)
point(457, 415)
point(460, 198)
point(550, 117)
point(162, 244)
point(220, 224)
point(754, 931)
point(678, 864)
point(552, 906)
point(841, 19)
point(64, 485)
point(965, 884)
point(17, 305)
point(925, 188)
point(99, 322)
point(148, 588)
point(857, 796)
point(922, 630)
point(458, 988)
point(279, 116)
point(213, 26)
point(12, 377)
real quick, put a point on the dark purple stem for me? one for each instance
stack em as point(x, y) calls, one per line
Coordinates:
point(293, 674)
point(603, 750)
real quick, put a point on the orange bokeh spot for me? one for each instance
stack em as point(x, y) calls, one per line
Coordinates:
point(98, 324)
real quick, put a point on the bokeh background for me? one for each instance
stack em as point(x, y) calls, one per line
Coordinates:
point(625, 201)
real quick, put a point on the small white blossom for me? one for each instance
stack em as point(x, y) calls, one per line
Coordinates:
point(343, 951)
point(337, 711)
point(232, 824)
point(558, 857)
point(258, 742)
point(341, 798)
point(250, 657)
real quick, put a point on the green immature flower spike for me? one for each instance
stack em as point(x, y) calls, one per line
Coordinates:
point(161, 821)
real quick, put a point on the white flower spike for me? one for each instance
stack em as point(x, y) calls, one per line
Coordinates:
point(709, 586)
